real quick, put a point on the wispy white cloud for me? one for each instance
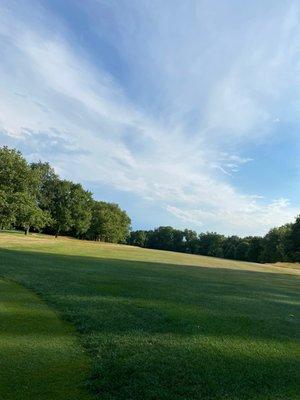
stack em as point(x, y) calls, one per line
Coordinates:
point(247, 213)
point(58, 104)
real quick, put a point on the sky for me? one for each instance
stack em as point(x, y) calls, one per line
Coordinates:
point(185, 113)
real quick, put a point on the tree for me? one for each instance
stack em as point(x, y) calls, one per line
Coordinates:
point(178, 241)
point(229, 246)
point(190, 239)
point(210, 244)
point(7, 211)
point(166, 238)
point(109, 223)
point(15, 174)
point(81, 209)
point(138, 238)
point(33, 196)
point(18, 190)
point(67, 202)
point(293, 241)
point(28, 214)
point(47, 179)
point(242, 249)
point(275, 244)
point(60, 207)
point(255, 249)
point(230, 252)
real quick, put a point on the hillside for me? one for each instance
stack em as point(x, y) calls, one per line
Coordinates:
point(70, 246)
point(162, 325)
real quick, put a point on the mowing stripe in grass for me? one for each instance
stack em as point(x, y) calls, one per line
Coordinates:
point(161, 331)
point(39, 354)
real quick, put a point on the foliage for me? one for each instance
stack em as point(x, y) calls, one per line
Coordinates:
point(276, 244)
point(210, 244)
point(166, 238)
point(47, 179)
point(34, 197)
point(28, 214)
point(280, 244)
point(138, 238)
point(293, 245)
point(81, 209)
point(109, 223)
point(7, 212)
point(16, 175)
point(242, 249)
point(18, 191)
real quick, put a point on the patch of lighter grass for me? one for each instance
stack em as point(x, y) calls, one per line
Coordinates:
point(40, 357)
point(70, 246)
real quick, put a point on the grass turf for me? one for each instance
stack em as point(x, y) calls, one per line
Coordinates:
point(158, 330)
point(39, 355)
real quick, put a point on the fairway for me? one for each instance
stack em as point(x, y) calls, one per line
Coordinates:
point(156, 325)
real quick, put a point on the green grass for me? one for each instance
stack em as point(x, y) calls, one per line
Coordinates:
point(39, 355)
point(157, 330)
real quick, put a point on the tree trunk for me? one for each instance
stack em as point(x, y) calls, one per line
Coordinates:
point(56, 233)
point(26, 230)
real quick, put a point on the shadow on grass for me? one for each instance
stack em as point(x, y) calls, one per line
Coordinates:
point(39, 356)
point(161, 331)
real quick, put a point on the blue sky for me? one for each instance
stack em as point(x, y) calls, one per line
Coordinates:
point(184, 112)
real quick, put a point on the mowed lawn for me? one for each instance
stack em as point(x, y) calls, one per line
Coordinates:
point(40, 357)
point(161, 325)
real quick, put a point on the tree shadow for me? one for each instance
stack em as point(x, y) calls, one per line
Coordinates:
point(162, 331)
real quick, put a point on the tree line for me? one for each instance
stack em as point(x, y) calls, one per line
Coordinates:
point(278, 245)
point(33, 197)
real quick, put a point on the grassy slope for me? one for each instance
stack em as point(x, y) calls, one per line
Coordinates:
point(39, 356)
point(159, 330)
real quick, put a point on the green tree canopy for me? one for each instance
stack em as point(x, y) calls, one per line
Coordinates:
point(293, 241)
point(210, 244)
point(18, 192)
point(28, 214)
point(138, 238)
point(275, 244)
point(109, 223)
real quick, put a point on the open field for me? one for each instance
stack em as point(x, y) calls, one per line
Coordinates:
point(162, 325)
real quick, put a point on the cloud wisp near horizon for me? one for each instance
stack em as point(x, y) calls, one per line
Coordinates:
point(185, 113)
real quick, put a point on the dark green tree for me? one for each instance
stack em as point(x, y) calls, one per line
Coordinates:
point(256, 246)
point(229, 246)
point(166, 238)
point(276, 243)
point(7, 211)
point(138, 238)
point(60, 207)
point(211, 244)
point(109, 223)
point(190, 239)
point(28, 214)
point(81, 209)
point(47, 179)
point(293, 241)
point(16, 175)
point(242, 250)
point(18, 192)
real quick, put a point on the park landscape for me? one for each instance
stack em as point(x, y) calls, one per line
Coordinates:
point(149, 200)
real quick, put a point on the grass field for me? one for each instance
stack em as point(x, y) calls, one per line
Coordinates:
point(161, 325)
point(40, 357)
